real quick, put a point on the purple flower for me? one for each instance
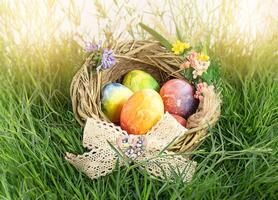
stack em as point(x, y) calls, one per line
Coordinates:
point(108, 59)
point(89, 47)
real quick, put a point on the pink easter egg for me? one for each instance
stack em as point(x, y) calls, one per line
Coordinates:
point(178, 97)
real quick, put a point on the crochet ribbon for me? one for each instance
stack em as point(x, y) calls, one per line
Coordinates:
point(109, 144)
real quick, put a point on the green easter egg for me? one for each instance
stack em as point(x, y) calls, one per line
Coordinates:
point(137, 80)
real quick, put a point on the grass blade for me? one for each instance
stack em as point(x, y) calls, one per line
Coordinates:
point(157, 36)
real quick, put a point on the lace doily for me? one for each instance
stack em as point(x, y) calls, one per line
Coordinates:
point(148, 151)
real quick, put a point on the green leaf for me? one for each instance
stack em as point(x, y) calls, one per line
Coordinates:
point(178, 33)
point(185, 52)
point(199, 47)
point(157, 36)
point(187, 73)
point(211, 76)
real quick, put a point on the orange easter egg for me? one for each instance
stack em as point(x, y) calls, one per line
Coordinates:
point(141, 112)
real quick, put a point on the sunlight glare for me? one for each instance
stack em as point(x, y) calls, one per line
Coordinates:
point(52, 19)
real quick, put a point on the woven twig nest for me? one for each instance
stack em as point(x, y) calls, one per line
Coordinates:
point(163, 65)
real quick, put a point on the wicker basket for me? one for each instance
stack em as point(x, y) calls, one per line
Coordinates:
point(163, 65)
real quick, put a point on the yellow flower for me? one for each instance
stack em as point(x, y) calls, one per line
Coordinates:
point(179, 47)
point(203, 57)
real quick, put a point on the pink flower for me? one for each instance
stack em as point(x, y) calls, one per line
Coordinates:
point(199, 92)
point(185, 65)
point(201, 87)
point(199, 68)
point(198, 65)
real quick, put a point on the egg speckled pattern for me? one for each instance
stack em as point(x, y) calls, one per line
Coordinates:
point(178, 97)
point(141, 112)
point(137, 80)
point(113, 97)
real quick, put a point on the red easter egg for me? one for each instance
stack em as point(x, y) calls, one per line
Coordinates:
point(180, 119)
point(178, 98)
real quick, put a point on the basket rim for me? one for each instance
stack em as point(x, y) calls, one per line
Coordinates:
point(128, 52)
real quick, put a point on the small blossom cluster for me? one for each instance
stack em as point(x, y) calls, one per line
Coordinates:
point(132, 146)
point(200, 90)
point(199, 62)
point(90, 47)
point(107, 57)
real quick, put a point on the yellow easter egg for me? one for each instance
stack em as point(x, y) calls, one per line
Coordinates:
point(113, 97)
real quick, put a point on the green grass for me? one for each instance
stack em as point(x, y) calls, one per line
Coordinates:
point(239, 159)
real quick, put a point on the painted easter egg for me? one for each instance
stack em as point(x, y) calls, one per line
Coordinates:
point(113, 97)
point(137, 80)
point(142, 110)
point(178, 97)
point(180, 119)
